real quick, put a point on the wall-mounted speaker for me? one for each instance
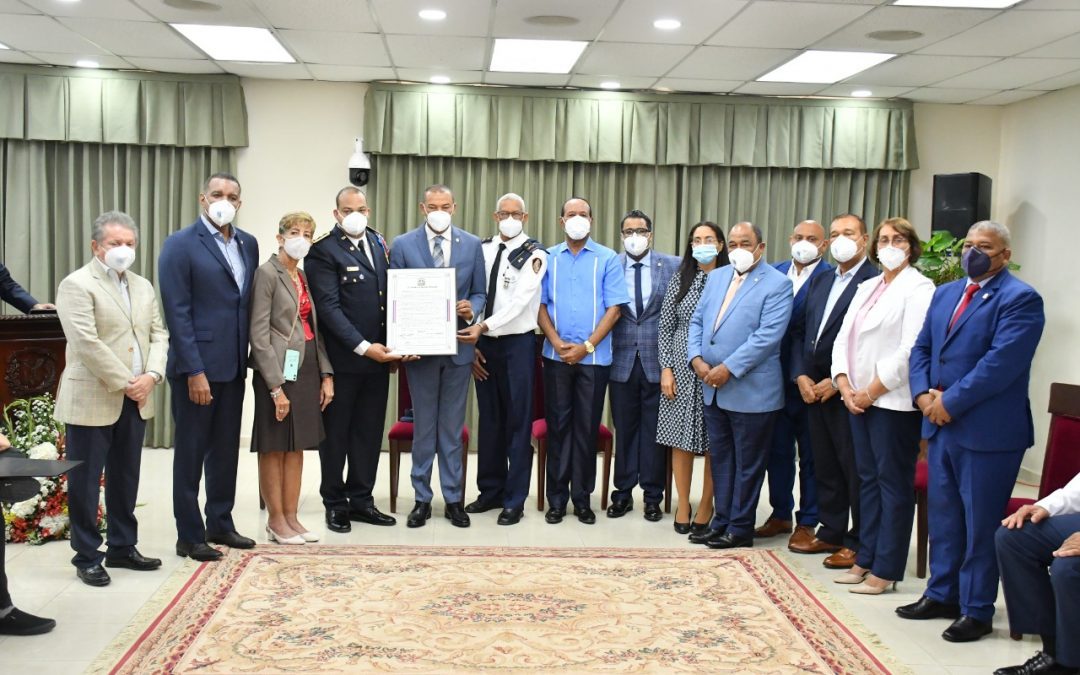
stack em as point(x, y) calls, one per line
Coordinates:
point(960, 201)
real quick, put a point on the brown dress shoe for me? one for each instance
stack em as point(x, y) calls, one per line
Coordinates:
point(773, 527)
point(801, 538)
point(843, 559)
point(812, 545)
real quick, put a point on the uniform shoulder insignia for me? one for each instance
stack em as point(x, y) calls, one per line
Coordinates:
point(319, 238)
point(487, 241)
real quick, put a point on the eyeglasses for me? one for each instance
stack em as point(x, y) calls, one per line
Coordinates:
point(503, 215)
point(898, 240)
point(641, 230)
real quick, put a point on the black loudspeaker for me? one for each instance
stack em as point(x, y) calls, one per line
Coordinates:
point(960, 201)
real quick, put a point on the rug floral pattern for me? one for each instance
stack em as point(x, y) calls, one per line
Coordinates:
point(334, 609)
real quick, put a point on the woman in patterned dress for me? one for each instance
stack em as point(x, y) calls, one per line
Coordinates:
point(681, 424)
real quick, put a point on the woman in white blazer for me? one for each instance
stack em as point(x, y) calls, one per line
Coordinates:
point(870, 368)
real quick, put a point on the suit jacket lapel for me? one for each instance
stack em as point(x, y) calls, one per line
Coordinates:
point(425, 249)
point(285, 279)
point(110, 287)
point(982, 297)
point(354, 251)
point(210, 242)
point(660, 274)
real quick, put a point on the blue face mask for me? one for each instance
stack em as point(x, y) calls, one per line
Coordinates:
point(975, 262)
point(705, 253)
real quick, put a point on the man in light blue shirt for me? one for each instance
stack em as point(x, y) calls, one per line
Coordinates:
point(580, 303)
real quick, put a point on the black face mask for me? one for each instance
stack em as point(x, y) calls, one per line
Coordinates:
point(976, 262)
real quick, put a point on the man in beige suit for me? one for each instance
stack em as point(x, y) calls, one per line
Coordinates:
point(116, 352)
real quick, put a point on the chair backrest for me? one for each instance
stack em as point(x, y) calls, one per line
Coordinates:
point(538, 381)
point(1062, 459)
point(404, 398)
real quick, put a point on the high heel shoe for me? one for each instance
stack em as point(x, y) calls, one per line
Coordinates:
point(866, 589)
point(278, 539)
point(850, 577)
point(684, 528)
point(309, 536)
point(698, 528)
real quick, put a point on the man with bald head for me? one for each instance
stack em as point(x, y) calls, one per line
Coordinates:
point(808, 243)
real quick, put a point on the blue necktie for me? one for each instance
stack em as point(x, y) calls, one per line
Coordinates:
point(639, 304)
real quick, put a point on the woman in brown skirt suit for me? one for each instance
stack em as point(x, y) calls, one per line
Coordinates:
point(293, 379)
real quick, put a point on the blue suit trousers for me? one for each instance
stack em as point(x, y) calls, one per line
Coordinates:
point(738, 449)
point(439, 389)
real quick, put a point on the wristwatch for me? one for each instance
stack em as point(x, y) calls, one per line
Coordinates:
point(589, 348)
point(274, 393)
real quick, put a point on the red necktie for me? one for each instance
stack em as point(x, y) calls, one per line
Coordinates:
point(970, 291)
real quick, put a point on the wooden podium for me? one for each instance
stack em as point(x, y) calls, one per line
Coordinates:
point(31, 356)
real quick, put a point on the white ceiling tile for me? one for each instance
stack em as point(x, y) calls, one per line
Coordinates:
point(878, 92)
point(701, 86)
point(65, 59)
point(16, 7)
point(193, 66)
point(12, 56)
point(123, 10)
point(510, 18)
point(351, 49)
point(270, 71)
point(778, 89)
point(784, 24)
point(342, 15)
point(133, 38)
point(846, 2)
point(1066, 48)
point(634, 20)
point(1055, 83)
point(463, 17)
point(1007, 97)
point(230, 13)
point(436, 51)
point(1012, 73)
point(350, 73)
point(456, 76)
point(1009, 33)
point(42, 34)
point(527, 79)
point(913, 70)
point(934, 24)
point(611, 58)
point(625, 83)
point(730, 63)
point(934, 95)
point(1048, 4)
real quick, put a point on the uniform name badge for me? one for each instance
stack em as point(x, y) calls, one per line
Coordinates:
point(291, 368)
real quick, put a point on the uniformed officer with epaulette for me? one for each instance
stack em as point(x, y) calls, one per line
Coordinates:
point(346, 270)
point(506, 362)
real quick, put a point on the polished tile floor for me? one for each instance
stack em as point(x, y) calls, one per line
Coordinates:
point(43, 581)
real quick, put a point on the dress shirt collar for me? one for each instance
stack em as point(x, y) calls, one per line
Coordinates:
point(806, 271)
point(431, 234)
point(645, 261)
point(111, 273)
point(844, 276)
point(214, 230)
point(513, 243)
point(589, 245)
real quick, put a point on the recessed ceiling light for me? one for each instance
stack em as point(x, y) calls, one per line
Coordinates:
point(824, 67)
point(964, 4)
point(535, 56)
point(610, 84)
point(87, 63)
point(432, 14)
point(440, 79)
point(235, 43)
point(667, 24)
point(862, 93)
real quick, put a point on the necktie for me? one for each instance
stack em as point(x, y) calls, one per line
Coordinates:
point(493, 282)
point(437, 253)
point(969, 292)
point(733, 288)
point(639, 304)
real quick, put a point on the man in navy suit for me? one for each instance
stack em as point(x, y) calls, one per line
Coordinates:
point(734, 349)
point(970, 369)
point(205, 273)
point(828, 297)
point(346, 269)
point(440, 384)
point(17, 296)
point(807, 246)
point(635, 370)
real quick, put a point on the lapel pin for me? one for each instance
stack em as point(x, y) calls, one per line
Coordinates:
point(361, 277)
point(985, 296)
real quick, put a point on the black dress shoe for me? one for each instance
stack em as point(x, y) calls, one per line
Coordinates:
point(653, 513)
point(1040, 664)
point(18, 622)
point(967, 629)
point(200, 551)
point(928, 608)
point(729, 540)
point(230, 539)
point(133, 561)
point(372, 516)
point(95, 575)
point(619, 509)
point(337, 520)
point(419, 516)
point(455, 513)
point(481, 506)
point(702, 536)
point(511, 516)
point(586, 515)
point(554, 515)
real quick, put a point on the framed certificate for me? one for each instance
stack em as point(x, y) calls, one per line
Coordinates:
point(421, 316)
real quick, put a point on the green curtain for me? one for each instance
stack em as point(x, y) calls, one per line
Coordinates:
point(52, 192)
point(663, 130)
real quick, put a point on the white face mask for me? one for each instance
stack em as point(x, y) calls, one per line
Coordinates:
point(438, 221)
point(577, 227)
point(804, 252)
point(891, 257)
point(120, 258)
point(221, 212)
point(297, 247)
point(843, 249)
point(741, 259)
point(354, 224)
point(509, 227)
point(636, 244)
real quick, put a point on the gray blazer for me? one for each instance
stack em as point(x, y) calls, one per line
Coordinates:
point(274, 305)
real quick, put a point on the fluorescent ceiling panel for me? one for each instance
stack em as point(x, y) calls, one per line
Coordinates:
point(967, 4)
point(535, 56)
point(824, 67)
point(235, 43)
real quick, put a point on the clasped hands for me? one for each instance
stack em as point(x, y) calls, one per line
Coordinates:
point(139, 387)
point(714, 376)
point(815, 392)
point(1070, 547)
point(932, 406)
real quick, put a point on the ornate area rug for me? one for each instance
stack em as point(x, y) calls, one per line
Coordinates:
point(353, 609)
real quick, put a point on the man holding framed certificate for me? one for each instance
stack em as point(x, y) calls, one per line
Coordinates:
point(426, 305)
